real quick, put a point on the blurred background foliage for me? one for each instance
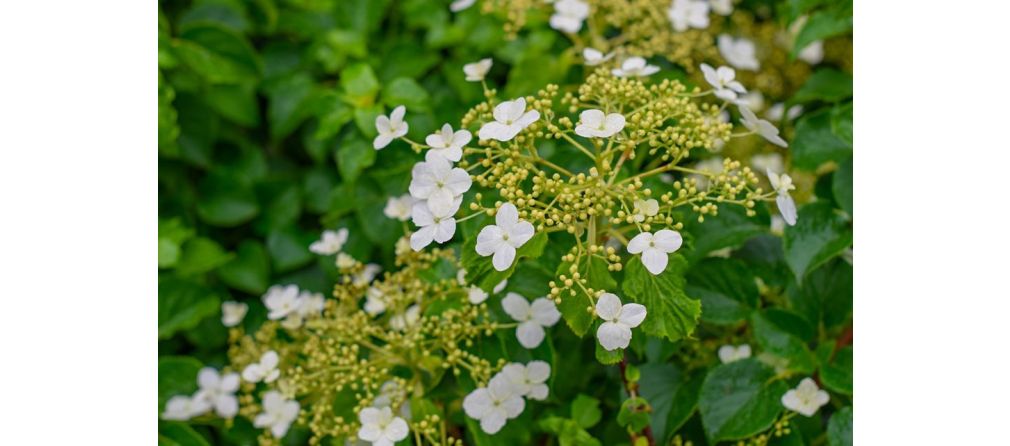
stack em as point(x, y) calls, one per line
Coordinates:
point(266, 113)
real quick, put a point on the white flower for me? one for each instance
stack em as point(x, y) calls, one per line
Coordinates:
point(311, 305)
point(448, 144)
point(618, 320)
point(761, 127)
point(594, 57)
point(407, 319)
point(501, 286)
point(634, 67)
point(532, 318)
point(686, 14)
point(806, 398)
point(437, 181)
point(278, 413)
point(375, 301)
point(645, 208)
point(753, 100)
point(723, 80)
point(218, 391)
point(722, 7)
point(390, 127)
point(712, 166)
point(380, 427)
point(594, 124)
point(232, 313)
point(330, 243)
point(740, 53)
point(730, 353)
point(476, 71)
point(366, 275)
point(435, 223)
point(529, 380)
point(281, 301)
point(767, 161)
point(510, 118)
point(494, 405)
point(787, 207)
point(812, 54)
point(399, 207)
point(504, 237)
point(655, 248)
point(345, 261)
point(460, 5)
point(182, 407)
point(776, 111)
point(476, 295)
point(568, 15)
point(265, 370)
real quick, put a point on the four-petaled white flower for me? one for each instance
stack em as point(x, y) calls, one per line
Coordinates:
point(476, 71)
point(510, 118)
point(787, 207)
point(278, 413)
point(476, 295)
point(776, 112)
point(568, 15)
point(281, 301)
point(764, 128)
point(399, 207)
point(594, 57)
point(448, 144)
point(686, 14)
point(438, 182)
point(740, 53)
point(730, 353)
point(618, 320)
point(655, 249)
point(390, 127)
point(532, 318)
point(218, 391)
point(494, 405)
point(406, 319)
point(330, 243)
point(724, 81)
point(375, 301)
point(634, 67)
point(183, 407)
point(722, 7)
point(594, 124)
point(645, 208)
point(504, 237)
point(529, 380)
point(813, 54)
point(265, 370)
point(806, 398)
point(380, 427)
point(460, 5)
point(435, 222)
point(232, 313)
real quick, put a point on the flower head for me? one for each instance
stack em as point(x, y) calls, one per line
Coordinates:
point(476, 71)
point(806, 398)
point(265, 370)
point(618, 320)
point(330, 243)
point(232, 313)
point(494, 405)
point(594, 124)
point(529, 380)
point(685, 14)
point(568, 15)
point(645, 208)
point(510, 118)
point(278, 413)
point(761, 127)
point(730, 353)
point(390, 127)
point(438, 182)
point(594, 57)
point(782, 185)
point(740, 53)
point(182, 407)
point(399, 207)
point(281, 301)
point(724, 81)
point(218, 391)
point(655, 249)
point(504, 237)
point(380, 427)
point(532, 318)
point(435, 222)
point(634, 67)
point(448, 144)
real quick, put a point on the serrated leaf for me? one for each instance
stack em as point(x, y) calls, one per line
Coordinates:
point(610, 357)
point(732, 227)
point(180, 434)
point(182, 305)
point(672, 395)
point(825, 295)
point(573, 308)
point(785, 346)
point(840, 428)
point(815, 143)
point(739, 399)
point(670, 313)
point(819, 235)
point(586, 411)
point(726, 289)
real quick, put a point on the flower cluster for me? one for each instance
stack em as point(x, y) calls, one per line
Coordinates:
point(503, 397)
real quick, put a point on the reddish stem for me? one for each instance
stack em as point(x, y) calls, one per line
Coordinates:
point(632, 389)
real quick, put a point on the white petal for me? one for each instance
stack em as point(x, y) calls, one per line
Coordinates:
point(226, 406)
point(477, 403)
point(489, 240)
point(208, 378)
point(632, 314)
point(787, 207)
point(521, 233)
point(545, 312)
point(397, 429)
point(503, 257)
point(530, 334)
point(591, 118)
point(445, 230)
point(397, 115)
point(382, 141)
point(494, 130)
point(516, 307)
point(507, 216)
point(640, 242)
point(608, 307)
point(655, 260)
point(493, 421)
point(668, 240)
point(514, 406)
point(538, 371)
point(422, 237)
point(613, 336)
point(538, 392)
point(458, 181)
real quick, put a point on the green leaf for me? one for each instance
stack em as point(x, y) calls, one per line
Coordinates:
point(672, 394)
point(407, 92)
point(219, 55)
point(671, 314)
point(573, 307)
point(822, 25)
point(333, 115)
point(569, 433)
point(819, 235)
point(249, 271)
point(826, 295)
point(289, 100)
point(777, 341)
point(730, 228)
point(237, 103)
point(739, 399)
point(182, 305)
point(176, 376)
point(289, 249)
point(726, 289)
point(200, 255)
point(479, 270)
point(827, 85)
point(837, 375)
point(606, 357)
point(841, 186)
point(226, 201)
point(634, 414)
point(586, 411)
point(180, 434)
point(171, 235)
point(840, 428)
point(353, 157)
point(359, 84)
point(815, 143)
point(841, 122)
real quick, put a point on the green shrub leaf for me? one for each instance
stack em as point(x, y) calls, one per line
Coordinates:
point(671, 314)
